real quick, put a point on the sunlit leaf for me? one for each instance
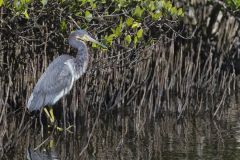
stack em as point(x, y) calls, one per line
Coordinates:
point(180, 12)
point(168, 5)
point(88, 16)
point(1, 3)
point(118, 31)
point(109, 38)
point(17, 5)
point(44, 2)
point(25, 13)
point(136, 25)
point(113, 30)
point(151, 6)
point(174, 10)
point(128, 39)
point(94, 45)
point(103, 1)
point(78, 14)
point(63, 25)
point(140, 33)
point(93, 5)
point(156, 16)
point(25, 1)
point(135, 40)
point(84, 2)
point(129, 21)
point(138, 11)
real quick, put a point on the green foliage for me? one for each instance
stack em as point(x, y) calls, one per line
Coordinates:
point(122, 20)
point(88, 16)
point(44, 2)
point(128, 39)
point(138, 12)
point(140, 33)
point(63, 25)
point(234, 3)
point(1, 3)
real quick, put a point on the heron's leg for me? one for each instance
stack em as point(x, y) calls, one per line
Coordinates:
point(50, 114)
point(52, 120)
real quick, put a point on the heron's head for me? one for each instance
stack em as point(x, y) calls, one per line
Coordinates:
point(82, 35)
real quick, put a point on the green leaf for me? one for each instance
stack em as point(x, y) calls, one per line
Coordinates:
point(128, 39)
point(135, 41)
point(180, 12)
point(25, 1)
point(78, 14)
point(25, 13)
point(88, 16)
point(84, 2)
point(94, 45)
point(63, 25)
point(168, 5)
point(151, 6)
point(174, 10)
point(1, 3)
point(160, 4)
point(113, 30)
point(138, 12)
point(109, 38)
point(156, 16)
point(118, 31)
point(136, 25)
point(140, 33)
point(17, 5)
point(44, 2)
point(93, 5)
point(129, 21)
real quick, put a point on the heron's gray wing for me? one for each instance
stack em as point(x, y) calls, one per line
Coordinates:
point(56, 77)
point(56, 81)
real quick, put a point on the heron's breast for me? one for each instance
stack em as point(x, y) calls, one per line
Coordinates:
point(77, 69)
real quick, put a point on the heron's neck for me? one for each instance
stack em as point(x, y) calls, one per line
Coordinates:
point(82, 54)
point(80, 45)
point(81, 60)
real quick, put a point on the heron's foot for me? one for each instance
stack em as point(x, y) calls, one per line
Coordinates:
point(60, 129)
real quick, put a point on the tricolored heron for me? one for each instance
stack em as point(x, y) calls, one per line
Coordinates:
point(60, 75)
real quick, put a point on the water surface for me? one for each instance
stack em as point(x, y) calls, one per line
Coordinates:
point(199, 138)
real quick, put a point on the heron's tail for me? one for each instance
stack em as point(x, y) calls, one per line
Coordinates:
point(35, 102)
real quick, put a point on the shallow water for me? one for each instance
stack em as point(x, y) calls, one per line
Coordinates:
point(123, 138)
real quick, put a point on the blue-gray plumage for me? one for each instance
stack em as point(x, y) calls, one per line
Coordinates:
point(60, 75)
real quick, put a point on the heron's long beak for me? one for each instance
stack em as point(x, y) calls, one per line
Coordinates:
point(88, 38)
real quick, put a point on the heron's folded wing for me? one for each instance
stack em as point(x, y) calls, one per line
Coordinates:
point(55, 79)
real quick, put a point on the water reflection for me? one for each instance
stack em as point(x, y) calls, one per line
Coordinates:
point(41, 155)
point(193, 138)
point(123, 137)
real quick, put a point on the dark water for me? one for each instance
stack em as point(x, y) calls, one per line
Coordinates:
point(199, 138)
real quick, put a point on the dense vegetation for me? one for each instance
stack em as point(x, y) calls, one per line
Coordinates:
point(122, 20)
point(159, 35)
point(164, 57)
